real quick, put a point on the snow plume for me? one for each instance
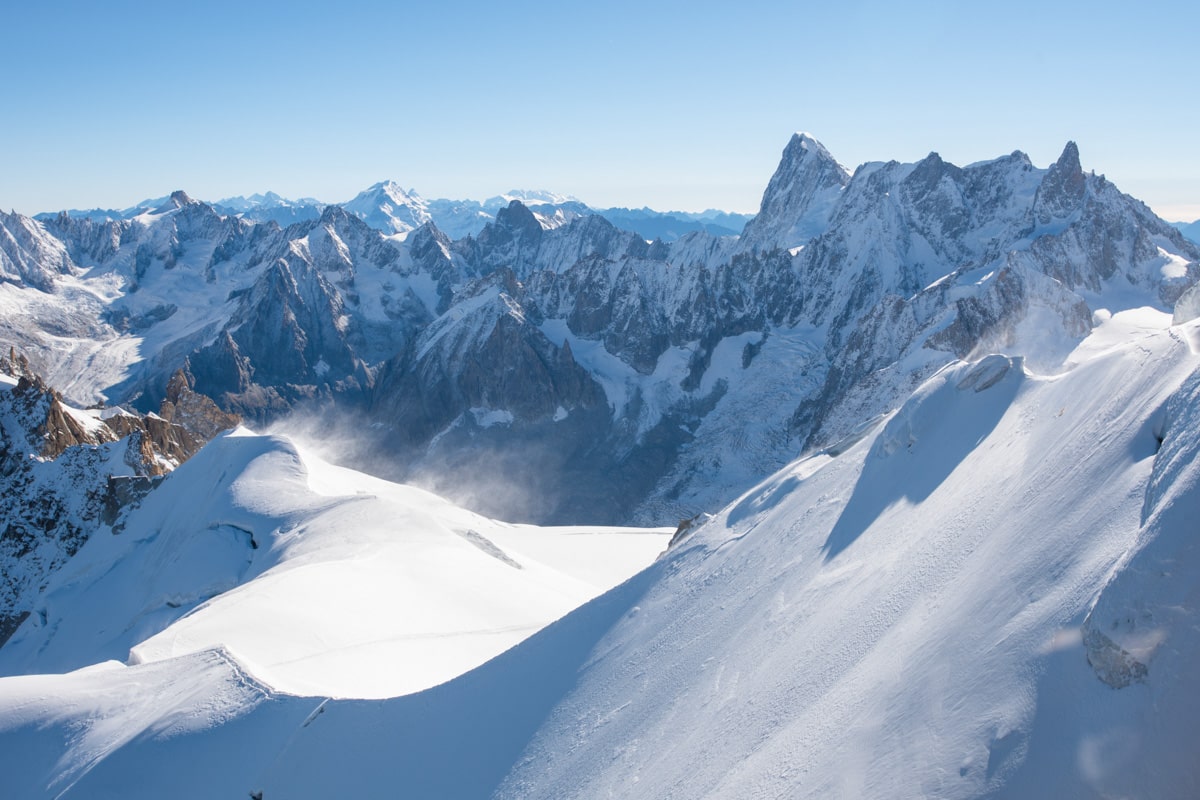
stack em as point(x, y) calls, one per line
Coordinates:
point(518, 478)
point(483, 470)
point(338, 435)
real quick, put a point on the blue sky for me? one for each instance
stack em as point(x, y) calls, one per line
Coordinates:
point(673, 105)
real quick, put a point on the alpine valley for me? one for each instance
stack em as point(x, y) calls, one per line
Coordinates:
point(926, 437)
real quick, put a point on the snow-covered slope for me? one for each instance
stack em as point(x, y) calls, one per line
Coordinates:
point(927, 612)
point(989, 593)
point(389, 208)
point(316, 579)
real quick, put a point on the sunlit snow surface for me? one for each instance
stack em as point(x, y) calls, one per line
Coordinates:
point(898, 616)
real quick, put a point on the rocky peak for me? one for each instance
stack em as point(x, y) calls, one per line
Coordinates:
point(429, 242)
point(66, 473)
point(800, 197)
point(195, 413)
point(335, 231)
point(333, 216)
point(1063, 188)
point(178, 199)
point(185, 422)
point(513, 240)
point(1020, 157)
point(518, 219)
point(929, 171)
point(1068, 161)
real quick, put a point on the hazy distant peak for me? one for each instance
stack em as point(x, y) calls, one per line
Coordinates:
point(529, 197)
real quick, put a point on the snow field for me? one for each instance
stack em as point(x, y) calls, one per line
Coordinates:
point(319, 580)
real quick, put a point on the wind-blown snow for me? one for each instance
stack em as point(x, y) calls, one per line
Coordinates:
point(318, 580)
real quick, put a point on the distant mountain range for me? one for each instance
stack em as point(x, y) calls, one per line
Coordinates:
point(1189, 229)
point(388, 207)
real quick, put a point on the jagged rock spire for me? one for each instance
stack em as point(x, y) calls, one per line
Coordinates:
point(1063, 188)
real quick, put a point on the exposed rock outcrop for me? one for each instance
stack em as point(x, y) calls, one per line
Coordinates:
point(66, 473)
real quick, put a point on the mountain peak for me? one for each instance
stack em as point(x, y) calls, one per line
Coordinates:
point(178, 199)
point(333, 215)
point(389, 207)
point(387, 191)
point(800, 197)
point(528, 198)
point(517, 217)
point(1063, 188)
point(1069, 160)
point(805, 141)
point(1022, 157)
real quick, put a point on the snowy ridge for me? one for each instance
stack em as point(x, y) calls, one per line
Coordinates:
point(407, 578)
point(909, 613)
point(914, 636)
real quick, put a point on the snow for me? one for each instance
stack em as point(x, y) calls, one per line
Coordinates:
point(898, 616)
point(614, 375)
point(1172, 265)
point(91, 420)
point(746, 435)
point(466, 309)
point(490, 417)
point(406, 599)
point(107, 707)
point(900, 620)
point(621, 382)
point(528, 197)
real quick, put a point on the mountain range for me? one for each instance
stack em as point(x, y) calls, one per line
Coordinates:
point(925, 434)
point(576, 357)
point(1191, 230)
point(390, 208)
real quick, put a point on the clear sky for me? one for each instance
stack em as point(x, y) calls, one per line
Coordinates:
point(675, 105)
